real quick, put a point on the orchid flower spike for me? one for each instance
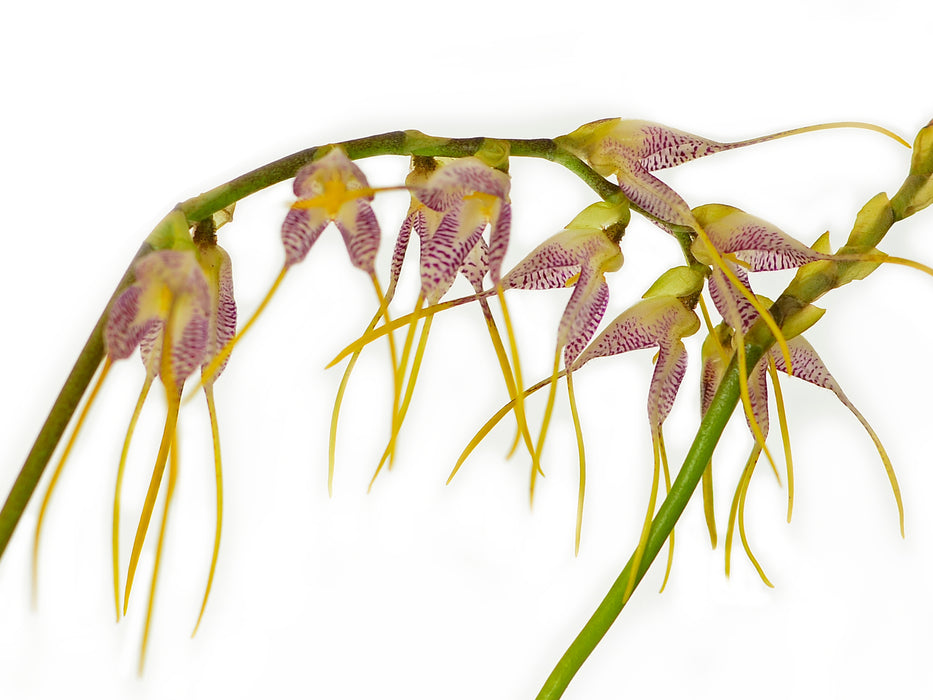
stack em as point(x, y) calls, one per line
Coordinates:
point(452, 205)
point(579, 256)
point(662, 320)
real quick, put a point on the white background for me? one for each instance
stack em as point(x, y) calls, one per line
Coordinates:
point(111, 115)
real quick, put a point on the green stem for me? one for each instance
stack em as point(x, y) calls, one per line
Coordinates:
point(811, 282)
point(197, 209)
point(92, 354)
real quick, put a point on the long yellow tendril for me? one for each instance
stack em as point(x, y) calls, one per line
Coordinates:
point(649, 516)
point(490, 424)
point(118, 488)
point(548, 409)
point(521, 428)
point(785, 434)
point(709, 511)
point(519, 403)
point(406, 401)
point(219, 481)
point(57, 473)
point(578, 431)
point(737, 512)
point(667, 489)
point(173, 399)
point(170, 489)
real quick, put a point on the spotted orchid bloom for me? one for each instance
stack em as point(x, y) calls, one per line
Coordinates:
point(330, 189)
point(633, 149)
point(661, 321)
point(471, 195)
point(179, 312)
point(579, 256)
point(746, 244)
point(452, 205)
point(807, 366)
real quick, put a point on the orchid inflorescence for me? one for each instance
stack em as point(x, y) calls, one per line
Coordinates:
point(176, 305)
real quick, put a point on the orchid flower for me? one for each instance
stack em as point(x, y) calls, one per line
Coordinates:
point(180, 312)
point(580, 256)
point(633, 149)
point(809, 367)
point(452, 205)
point(662, 320)
point(330, 189)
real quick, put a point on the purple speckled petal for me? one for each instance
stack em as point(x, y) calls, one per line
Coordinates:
point(663, 147)
point(150, 346)
point(582, 315)
point(759, 244)
point(549, 266)
point(758, 396)
point(669, 371)
point(171, 291)
point(443, 253)
point(452, 182)
point(122, 334)
point(189, 349)
point(653, 196)
point(357, 223)
point(710, 377)
point(476, 265)
point(300, 230)
point(807, 364)
point(222, 320)
point(735, 309)
point(401, 247)
point(499, 239)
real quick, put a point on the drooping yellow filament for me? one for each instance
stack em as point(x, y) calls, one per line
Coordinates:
point(737, 513)
point(578, 431)
point(170, 489)
point(742, 534)
point(218, 478)
point(58, 472)
point(667, 490)
point(383, 313)
point(117, 491)
point(723, 353)
point(649, 516)
point(490, 424)
point(406, 401)
point(820, 127)
point(888, 467)
point(747, 403)
point(400, 322)
point(208, 373)
point(171, 420)
point(548, 409)
point(785, 434)
point(708, 509)
point(747, 293)
point(399, 382)
point(338, 401)
point(519, 403)
point(521, 429)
